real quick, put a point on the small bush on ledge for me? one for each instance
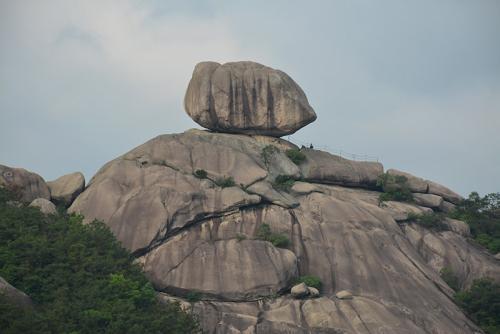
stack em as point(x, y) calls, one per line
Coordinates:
point(201, 173)
point(278, 240)
point(225, 182)
point(193, 296)
point(430, 220)
point(283, 182)
point(312, 281)
point(395, 188)
point(295, 155)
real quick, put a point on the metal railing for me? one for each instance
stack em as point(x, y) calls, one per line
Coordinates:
point(336, 151)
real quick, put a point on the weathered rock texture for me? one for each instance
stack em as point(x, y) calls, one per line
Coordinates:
point(246, 97)
point(14, 295)
point(324, 167)
point(44, 205)
point(24, 184)
point(193, 236)
point(65, 189)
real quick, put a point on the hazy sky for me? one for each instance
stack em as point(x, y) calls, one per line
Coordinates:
point(416, 83)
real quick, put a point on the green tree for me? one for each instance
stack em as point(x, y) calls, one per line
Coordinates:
point(482, 303)
point(79, 276)
point(482, 214)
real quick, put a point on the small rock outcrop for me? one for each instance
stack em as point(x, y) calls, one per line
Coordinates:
point(45, 206)
point(14, 295)
point(26, 185)
point(246, 97)
point(66, 188)
point(344, 294)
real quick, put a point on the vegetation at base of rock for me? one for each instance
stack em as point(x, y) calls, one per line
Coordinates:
point(225, 182)
point(193, 296)
point(79, 277)
point(278, 240)
point(201, 173)
point(267, 153)
point(430, 220)
point(240, 237)
point(296, 156)
point(482, 303)
point(450, 278)
point(283, 183)
point(394, 187)
point(312, 281)
point(482, 214)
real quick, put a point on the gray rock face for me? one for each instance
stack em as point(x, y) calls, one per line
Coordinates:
point(428, 200)
point(324, 167)
point(152, 188)
point(192, 235)
point(222, 259)
point(246, 97)
point(14, 295)
point(27, 185)
point(66, 188)
point(45, 206)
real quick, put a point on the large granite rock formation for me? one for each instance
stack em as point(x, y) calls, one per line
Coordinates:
point(246, 97)
point(191, 206)
point(24, 184)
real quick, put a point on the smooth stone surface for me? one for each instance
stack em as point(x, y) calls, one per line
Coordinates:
point(458, 226)
point(66, 188)
point(304, 188)
point(446, 193)
point(344, 294)
point(299, 290)
point(45, 206)
point(24, 184)
point(323, 167)
point(428, 200)
point(246, 97)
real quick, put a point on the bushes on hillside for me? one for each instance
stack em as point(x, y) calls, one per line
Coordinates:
point(394, 187)
point(296, 156)
point(482, 214)
point(278, 240)
point(79, 277)
point(482, 303)
point(283, 182)
point(430, 220)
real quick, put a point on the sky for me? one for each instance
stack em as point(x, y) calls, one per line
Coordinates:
point(414, 83)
